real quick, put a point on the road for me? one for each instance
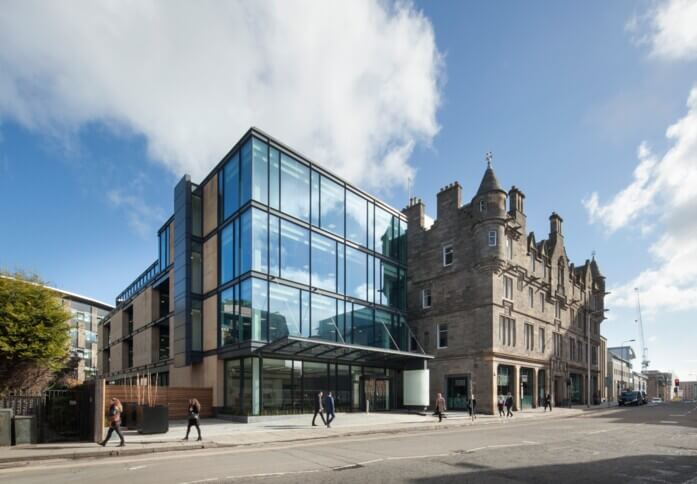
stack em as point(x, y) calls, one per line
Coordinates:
point(653, 443)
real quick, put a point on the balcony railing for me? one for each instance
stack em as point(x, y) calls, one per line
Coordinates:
point(140, 283)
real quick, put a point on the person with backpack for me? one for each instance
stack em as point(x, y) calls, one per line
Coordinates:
point(115, 411)
point(194, 412)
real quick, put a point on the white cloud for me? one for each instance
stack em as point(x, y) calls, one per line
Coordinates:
point(662, 195)
point(141, 217)
point(669, 29)
point(354, 84)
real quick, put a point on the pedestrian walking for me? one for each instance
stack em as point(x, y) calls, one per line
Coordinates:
point(440, 406)
point(194, 412)
point(319, 409)
point(115, 410)
point(501, 402)
point(509, 405)
point(473, 407)
point(329, 408)
point(548, 402)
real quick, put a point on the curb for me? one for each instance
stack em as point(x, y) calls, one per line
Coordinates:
point(6, 462)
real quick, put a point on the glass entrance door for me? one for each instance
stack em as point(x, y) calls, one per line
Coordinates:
point(458, 393)
point(376, 393)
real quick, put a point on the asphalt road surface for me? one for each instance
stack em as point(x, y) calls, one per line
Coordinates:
point(652, 443)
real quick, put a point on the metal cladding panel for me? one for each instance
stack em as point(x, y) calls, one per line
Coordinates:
point(182, 272)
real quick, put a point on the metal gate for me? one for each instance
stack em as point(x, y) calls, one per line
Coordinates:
point(62, 415)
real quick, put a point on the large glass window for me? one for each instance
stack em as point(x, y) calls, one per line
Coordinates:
point(233, 380)
point(259, 330)
point(246, 173)
point(260, 234)
point(277, 386)
point(260, 164)
point(245, 307)
point(332, 206)
point(314, 381)
point(226, 255)
point(314, 198)
point(403, 242)
point(196, 325)
point(229, 186)
point(245, 244)
point(323, 317)
point(295, 188)
point(384, 232)
point(362, 325)
point(164, 249)
point(356, 273)
point(295, 252)
point(356, 218)
point(323, 262)
point(274, 178)
point(228, 316)
point(284, 311)
point(274, 246)
point(389, 287)
point(383, 322)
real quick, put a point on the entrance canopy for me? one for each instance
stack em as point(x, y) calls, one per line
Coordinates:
point(296, 347)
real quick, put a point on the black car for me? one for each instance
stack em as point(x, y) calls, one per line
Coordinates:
point(631, 398)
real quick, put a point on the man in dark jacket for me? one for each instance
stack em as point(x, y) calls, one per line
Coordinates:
point(509, 405)
point(329, 408)
point(548, 402)
point(318, 410)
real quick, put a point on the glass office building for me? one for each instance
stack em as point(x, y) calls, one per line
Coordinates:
point(308, 275)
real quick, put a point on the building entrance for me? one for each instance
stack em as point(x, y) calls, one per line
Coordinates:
point(457, 393)
point(541, 387)
point(376, 393)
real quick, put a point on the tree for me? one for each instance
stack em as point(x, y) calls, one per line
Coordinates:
point(34, 337)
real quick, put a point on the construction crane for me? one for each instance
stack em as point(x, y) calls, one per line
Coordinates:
point(644, 349)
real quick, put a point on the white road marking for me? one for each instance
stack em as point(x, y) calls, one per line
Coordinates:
point(501, 446)
point(593, 432)
point(273, 474)
point(136, 468)
point(668, 421)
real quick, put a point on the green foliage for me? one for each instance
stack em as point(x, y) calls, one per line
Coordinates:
point(34, 337)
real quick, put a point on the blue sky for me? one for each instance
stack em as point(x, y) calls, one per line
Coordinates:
point(94, 134)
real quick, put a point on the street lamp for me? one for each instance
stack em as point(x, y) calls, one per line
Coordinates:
point(621, 346)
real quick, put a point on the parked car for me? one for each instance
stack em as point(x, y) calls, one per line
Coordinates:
point(656, 400)
point(631, 398)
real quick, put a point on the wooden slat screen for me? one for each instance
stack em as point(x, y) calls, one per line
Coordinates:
point(175, 397)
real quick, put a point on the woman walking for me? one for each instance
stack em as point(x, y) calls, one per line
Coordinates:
point(440, 406)
point(509, 405)
point(500, 404)
point(115, 410)
point(194, 412)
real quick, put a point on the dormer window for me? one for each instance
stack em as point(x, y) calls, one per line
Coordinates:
point(482, 206)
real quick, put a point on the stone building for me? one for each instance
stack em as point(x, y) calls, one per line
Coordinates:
point(500, 310)
point(659, 384)
point(689, 390)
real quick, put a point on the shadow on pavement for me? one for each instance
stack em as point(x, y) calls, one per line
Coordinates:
point(672, 414)
point(640, 468)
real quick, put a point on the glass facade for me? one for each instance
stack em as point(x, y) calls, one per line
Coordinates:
point(270, 386)
point(302, 254)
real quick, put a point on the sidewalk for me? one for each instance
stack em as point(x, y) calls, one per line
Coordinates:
point(223, 433)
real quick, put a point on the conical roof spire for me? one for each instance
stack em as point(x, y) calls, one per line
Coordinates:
point(489, 182)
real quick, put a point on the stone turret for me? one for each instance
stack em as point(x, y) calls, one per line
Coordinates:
point(515, 206)
point(489, 211)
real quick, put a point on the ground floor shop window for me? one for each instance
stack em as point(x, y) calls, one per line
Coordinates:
point(526, 386)
point(576, 388)
point(269, 386)
point(504, 380)
point(541, 387)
